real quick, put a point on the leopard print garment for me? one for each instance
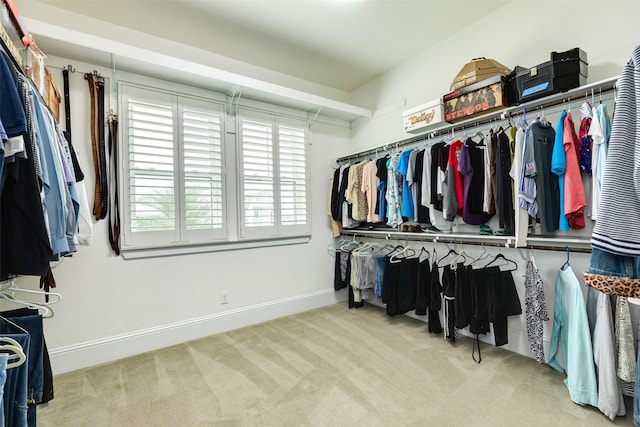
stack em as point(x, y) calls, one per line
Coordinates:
point(622, 286)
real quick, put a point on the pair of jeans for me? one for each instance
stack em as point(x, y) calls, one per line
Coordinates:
point(609, 264)
point(47, 387)
point(15, 388)
point(35, 369)
point(612, 265)
point(3, 378)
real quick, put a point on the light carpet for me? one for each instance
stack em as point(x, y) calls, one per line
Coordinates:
point(326, 367)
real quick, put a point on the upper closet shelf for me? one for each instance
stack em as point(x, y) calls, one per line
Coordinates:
point(579, 94)
point(80, 46)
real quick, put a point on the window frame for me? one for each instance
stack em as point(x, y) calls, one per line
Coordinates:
point(154, 244)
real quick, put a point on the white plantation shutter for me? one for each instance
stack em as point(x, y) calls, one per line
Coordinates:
point(293, 176)
point(274, 176)
point(177, 196)
point(258, 175)
point(202, 157)
point(151, 166)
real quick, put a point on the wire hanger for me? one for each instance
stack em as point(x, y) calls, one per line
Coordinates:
point(48, 311)
point(15, 325)
point(484, 255)
point(14, 288)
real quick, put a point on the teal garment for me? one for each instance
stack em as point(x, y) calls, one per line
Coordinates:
point(559, 167)
point(571, 331)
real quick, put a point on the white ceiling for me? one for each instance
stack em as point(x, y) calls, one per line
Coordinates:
point(341, 44)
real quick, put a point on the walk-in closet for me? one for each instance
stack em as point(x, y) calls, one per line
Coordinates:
point(319, 213)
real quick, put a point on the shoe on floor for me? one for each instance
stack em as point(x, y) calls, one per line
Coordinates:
point(431, 229)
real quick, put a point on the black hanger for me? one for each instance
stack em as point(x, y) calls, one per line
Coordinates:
point(500, 256)
point(566, 263)
point(424, 250)
point(451, 251)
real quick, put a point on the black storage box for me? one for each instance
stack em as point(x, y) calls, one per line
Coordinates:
point(570, 55)
point(511, 88)
point(565, 70)
point(571, 62)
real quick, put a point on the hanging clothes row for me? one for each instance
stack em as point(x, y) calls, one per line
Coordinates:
point(473, 293)
point(523, 175)
point(593, 344)
point(39, 202)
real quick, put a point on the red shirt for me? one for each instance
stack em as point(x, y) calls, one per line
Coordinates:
point(574, 197)
point(454, 155)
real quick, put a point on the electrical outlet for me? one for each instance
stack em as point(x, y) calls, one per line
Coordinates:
point(224, 297)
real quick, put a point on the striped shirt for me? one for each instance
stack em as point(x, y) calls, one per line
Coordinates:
point(617, 228)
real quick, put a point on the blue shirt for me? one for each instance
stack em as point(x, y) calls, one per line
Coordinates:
point(559, 167)
point(407, 197)
point(54, 195)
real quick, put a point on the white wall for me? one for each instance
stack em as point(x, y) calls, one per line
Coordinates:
point(520, 33)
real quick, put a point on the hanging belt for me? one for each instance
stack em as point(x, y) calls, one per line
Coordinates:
point(473, 353)
point(47, 282)
point(67, 132)
point(97, 194)
point(102, 156)
point(114, 210)
point(67, 105)
point(101, 194)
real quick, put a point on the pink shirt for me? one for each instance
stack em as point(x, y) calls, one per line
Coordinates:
point(370, 189)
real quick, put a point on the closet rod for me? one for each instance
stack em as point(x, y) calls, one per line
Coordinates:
point(507, 242)
point(73, 70)
point(603, 86)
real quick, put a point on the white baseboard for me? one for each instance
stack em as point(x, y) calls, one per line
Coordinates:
point(91, 353)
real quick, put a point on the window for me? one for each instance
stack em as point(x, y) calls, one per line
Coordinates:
point(175, 190)
point(174, 168)
point(273, 175)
